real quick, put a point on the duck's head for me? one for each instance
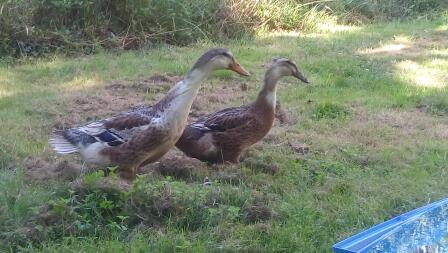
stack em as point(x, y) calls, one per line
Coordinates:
point(219, 58)
point(281, 66)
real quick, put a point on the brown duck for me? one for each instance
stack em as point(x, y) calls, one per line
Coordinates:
point(146, 133)
point(222, 136)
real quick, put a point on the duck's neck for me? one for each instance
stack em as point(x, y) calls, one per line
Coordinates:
point(267, 95)
point(175, 106)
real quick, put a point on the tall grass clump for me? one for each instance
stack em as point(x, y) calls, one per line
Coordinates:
point(83, 25)
point(36, 27)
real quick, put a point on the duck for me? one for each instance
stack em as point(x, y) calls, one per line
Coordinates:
point(144, 133)
point(222, 136)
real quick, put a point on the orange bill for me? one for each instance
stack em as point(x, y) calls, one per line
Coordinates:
point(238, 69)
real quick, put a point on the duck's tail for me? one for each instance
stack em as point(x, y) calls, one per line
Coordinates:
point(61, 144)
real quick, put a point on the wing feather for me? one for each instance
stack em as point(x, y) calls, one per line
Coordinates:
point(112, 131)
point(226, 119)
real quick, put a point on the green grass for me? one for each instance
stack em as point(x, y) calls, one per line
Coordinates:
point(374, 117)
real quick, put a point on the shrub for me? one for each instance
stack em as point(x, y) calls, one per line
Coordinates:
point(35, 27)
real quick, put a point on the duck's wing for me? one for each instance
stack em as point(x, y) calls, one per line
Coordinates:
point(109, 132)
point(136, 117)
point(224, 120)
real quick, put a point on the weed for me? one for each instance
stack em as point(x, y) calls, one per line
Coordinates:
point(329, 111)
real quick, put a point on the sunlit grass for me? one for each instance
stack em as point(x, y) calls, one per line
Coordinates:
point(399, 43)
point(385, 49)
point(442, 28)
point(325, 29)
point(429, 75)
point(334, 28)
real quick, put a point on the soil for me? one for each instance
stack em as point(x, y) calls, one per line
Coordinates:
point(256, 213)
point(39, 170)
point(218, 97)
point(283, 116)
point(114, 97)
point(176, 165)
point(298, 146)
point(104, 184)
point(259, 162)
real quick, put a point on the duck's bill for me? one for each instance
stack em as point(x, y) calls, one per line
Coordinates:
point(238, 69)
point(301, 77)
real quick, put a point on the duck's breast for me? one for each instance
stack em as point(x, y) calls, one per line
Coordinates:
point(93, 154)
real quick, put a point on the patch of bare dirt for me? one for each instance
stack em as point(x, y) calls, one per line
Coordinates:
point(169, 77)
point(38, 170)
point(298, 146)
point(256, 213)
point(272, 138)
point(103, 184)
point(191, 170)
point(211, 99)
point(155, 83)
point(283, 116)
point(175, 164)
point(227, 175)
point(264, 228)
point(258, 161)
point(114, 97)
point(258, 209)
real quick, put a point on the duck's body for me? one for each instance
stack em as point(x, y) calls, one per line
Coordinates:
point(222, 136)
point(143, 134)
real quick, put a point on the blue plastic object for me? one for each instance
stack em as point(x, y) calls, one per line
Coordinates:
point(366, 240)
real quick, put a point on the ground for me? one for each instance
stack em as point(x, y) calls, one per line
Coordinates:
point(365, 141)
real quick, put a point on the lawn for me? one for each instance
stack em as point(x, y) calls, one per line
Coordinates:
point(374, 119)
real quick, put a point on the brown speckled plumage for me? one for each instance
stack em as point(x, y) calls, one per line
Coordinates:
point(132, 153)
point(222, 136)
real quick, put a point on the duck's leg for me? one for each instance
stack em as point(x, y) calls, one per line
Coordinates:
point(128, 173)
point(231, 156)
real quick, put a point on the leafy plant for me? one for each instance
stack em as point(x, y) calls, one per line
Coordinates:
point(329, 111)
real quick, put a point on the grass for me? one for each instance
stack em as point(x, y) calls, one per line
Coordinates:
point(374, 118)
